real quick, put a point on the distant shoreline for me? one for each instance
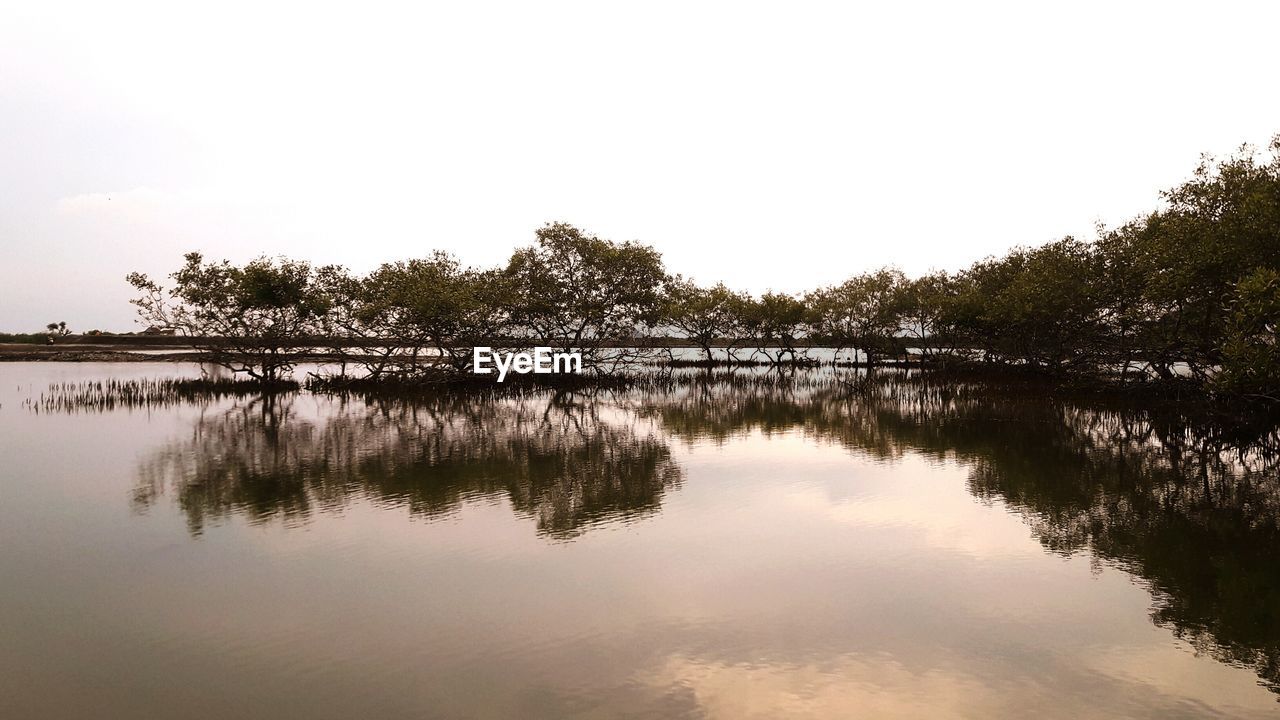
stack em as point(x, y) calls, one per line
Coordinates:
point(185, 352)
point(152, 342)
point(174, 348)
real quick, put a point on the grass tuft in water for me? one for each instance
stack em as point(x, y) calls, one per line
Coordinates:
point(105, 395)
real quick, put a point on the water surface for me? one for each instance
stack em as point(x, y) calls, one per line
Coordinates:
point(745, 549)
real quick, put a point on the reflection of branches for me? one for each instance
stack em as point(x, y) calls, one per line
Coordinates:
point(1192, 507)
point(556, 460)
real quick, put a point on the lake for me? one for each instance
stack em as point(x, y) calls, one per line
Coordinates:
point(745, 548)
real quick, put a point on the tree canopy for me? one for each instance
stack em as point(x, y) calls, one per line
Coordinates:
point(1187, 290)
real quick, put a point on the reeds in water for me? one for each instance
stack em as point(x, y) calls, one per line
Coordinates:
point(144, 394)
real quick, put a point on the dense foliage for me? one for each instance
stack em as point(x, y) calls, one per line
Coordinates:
point(579, 293)
point(247, 318)
point(1188, 291)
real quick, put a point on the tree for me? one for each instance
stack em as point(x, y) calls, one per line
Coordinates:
point(926, 305)
point(1033, 305)
point(1171, 291)
point(580, 293)
point(863, 312)
point(703, 315)
point(58, 329)
point(1119, 281)
point(438, 303)
point(402, 310)
point(246, 319)
point(1251, 350)
point(1219, 227)
point(776, 322)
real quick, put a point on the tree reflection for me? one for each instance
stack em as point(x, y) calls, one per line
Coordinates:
point(563, 462)
point(1191, 507)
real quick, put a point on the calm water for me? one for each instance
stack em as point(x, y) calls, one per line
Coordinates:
point(752, 550)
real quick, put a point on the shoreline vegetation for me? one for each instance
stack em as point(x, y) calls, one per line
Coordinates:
point(1185, 298)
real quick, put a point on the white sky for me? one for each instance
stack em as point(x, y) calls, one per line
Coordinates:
point(769, 145)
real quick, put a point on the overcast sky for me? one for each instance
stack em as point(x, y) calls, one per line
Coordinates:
point(769, 145)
